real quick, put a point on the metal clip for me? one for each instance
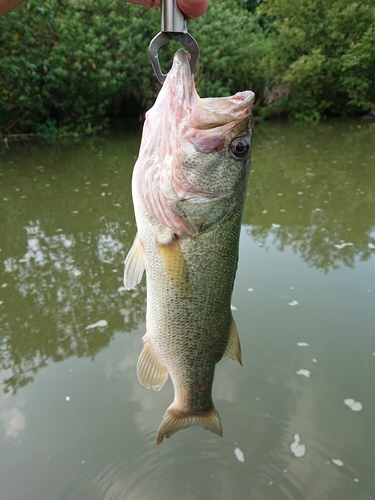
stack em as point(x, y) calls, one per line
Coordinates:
point(174, 26)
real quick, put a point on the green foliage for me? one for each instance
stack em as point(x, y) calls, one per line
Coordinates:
point(321, 58)
point(68, 65)
point(231, 43)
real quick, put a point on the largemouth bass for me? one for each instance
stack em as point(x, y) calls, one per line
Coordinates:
point(189, 185)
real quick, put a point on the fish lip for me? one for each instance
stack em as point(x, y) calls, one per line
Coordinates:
point(236, 103)
point(213, 112)
point(180, 81)
point(181, 61)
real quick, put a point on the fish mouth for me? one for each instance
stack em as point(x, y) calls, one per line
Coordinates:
point(193, 112)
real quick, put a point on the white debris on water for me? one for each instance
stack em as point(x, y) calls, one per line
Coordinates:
point(275, 226)
point(239, 454)
point(2, 302)
point(314, 360)
point(371, 245)
point(338, 462)
point(293, 303)
point(303, 344)
point(343, 245)
point(305, 373)
point(99, 324)
point(250, 289)
point(77, 272)
point(121, 289)
point(353, 405)
point(67, 398)
point(298, 449)
point(233, 307)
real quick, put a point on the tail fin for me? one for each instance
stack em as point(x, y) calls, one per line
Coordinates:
point(174, 421)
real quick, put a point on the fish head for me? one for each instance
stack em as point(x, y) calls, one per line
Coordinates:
point(195, 154)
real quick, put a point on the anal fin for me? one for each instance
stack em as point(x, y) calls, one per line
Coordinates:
point(149, 370)
point(135, 264)
point(233, 349)
point(173, 421)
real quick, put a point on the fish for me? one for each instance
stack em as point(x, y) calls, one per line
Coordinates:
point(188, 187)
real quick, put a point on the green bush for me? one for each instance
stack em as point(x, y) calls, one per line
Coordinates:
point(321, 57)
point(66, 64)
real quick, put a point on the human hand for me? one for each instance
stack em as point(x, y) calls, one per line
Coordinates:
point(191, 8)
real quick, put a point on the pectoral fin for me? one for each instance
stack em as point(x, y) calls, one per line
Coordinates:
point(233, 349)
point(149, 370)
point(135, 264)
point(175, 265)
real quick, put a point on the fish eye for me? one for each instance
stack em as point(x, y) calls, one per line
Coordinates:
point(239, 147)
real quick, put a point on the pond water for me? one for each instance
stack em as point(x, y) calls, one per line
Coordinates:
point(298, 417)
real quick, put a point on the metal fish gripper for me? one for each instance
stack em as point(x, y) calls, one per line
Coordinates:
point(174, 26)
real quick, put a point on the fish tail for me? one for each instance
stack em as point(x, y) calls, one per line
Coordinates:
point(174, 421)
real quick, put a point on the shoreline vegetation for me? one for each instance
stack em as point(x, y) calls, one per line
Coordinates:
point(69, 67)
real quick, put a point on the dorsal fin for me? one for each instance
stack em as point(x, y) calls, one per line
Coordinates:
point(135, 264)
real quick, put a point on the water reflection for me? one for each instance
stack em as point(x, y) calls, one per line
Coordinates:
point(14, 422)
point(68, 224)
point(312, 190)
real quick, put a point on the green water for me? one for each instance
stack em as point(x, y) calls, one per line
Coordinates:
point(75, 424)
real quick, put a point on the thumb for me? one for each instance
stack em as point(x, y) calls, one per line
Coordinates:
point(193, 8)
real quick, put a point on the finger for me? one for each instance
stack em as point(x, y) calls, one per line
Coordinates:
point(193, 8)
point(7, 5)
